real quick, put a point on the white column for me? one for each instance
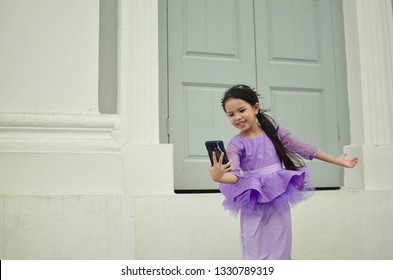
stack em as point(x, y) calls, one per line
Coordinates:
point(369, 48)
point(143, 103)
point(148, 165)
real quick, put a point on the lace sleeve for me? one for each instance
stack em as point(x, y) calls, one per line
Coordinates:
point(234, 153)
point(296, 146)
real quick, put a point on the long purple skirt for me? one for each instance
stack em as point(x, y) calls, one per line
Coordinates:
point(266, 234)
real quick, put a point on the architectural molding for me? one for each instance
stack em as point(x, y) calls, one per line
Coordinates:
point(58, 132)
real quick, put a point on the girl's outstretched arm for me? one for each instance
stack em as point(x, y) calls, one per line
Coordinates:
point(340, 160)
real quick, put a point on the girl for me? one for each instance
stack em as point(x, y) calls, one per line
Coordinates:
point(264, 176)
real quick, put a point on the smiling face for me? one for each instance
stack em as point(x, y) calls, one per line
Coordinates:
point(242, 115)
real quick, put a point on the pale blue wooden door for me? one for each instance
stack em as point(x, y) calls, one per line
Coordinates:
point(296, 74)
point(287, 51)
point(210, 47)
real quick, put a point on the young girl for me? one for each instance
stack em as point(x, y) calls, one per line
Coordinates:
point(264, 176)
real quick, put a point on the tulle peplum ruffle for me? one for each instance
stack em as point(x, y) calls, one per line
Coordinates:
point(270, 184)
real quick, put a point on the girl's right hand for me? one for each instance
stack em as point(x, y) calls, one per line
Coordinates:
point(218, 170)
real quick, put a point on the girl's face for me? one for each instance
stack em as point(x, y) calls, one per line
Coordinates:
point(242, 115)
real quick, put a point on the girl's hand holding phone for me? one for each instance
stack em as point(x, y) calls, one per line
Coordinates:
point(218, 169)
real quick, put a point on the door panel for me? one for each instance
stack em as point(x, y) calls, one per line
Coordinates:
point(211, 46)
point(293, 30)
point(296, 73)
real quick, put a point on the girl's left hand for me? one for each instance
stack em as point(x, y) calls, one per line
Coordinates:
point(349, 163)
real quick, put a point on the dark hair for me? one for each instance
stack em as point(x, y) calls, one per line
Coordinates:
point(290, 160)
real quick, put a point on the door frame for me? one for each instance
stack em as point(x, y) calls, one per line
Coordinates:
point(163, 71)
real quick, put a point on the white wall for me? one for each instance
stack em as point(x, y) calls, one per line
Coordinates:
point(49, 56)
point(76, 184)
point(61, 162)
point(67, 227)
point(330, 225)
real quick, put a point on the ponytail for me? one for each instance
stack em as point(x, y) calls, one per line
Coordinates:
point(290, 160)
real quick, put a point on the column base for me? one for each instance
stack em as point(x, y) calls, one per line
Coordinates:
point(374, 170)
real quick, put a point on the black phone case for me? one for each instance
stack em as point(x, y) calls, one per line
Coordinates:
point(218, 147)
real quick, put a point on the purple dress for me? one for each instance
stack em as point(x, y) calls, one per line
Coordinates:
point(264, 193)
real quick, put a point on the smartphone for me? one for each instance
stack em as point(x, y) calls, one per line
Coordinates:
point(218, 147)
